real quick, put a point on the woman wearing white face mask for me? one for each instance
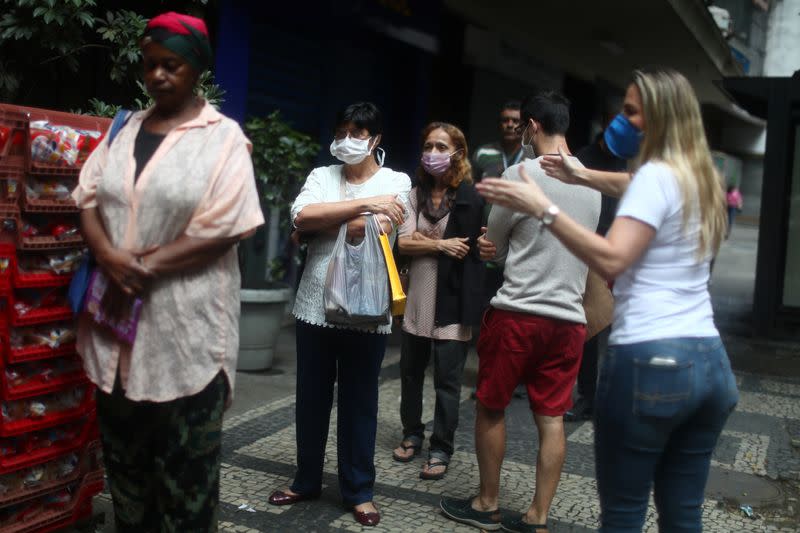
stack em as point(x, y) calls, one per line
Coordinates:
point(332, 196)
point(444, 295)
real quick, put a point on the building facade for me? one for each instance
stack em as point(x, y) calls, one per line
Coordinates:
point(459, 60)
point(774, 96)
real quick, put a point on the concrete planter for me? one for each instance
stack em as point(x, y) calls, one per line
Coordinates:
point(259, 326)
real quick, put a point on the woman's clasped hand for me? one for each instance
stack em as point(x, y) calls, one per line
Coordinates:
point(389, 205)
point(127, 269)
point(456, 247)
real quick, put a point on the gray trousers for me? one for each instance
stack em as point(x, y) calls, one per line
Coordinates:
point(448, 365)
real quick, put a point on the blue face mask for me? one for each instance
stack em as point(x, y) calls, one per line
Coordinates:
point(622, 137)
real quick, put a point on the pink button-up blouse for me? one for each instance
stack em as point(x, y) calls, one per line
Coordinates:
point(200, 183)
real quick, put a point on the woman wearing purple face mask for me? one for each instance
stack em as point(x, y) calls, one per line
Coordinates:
point(440, 235)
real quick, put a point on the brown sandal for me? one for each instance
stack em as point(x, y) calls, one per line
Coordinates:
point(417, 447)
point(433, 462)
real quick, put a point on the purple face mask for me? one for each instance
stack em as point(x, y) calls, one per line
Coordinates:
point(435, 163)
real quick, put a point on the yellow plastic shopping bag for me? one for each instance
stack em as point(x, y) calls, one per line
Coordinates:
point(398, 295)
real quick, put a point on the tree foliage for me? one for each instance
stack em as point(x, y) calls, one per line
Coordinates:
point(205, 88)
point(282, 157)
point(42, 32)
point(121, 30)
point(49, 41)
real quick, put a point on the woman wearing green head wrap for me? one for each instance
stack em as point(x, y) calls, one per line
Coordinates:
point(186, 36)
point(175, 51)
point(163, 204)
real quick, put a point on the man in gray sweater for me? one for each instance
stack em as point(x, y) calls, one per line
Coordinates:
point(534, 330)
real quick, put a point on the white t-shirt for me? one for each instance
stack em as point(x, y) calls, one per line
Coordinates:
point(324, 185)
point(665, 293)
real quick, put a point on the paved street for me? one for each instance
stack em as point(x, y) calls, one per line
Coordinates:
point(754, 463)
point(259, 457)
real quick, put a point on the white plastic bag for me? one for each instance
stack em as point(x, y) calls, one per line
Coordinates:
point(357, 284)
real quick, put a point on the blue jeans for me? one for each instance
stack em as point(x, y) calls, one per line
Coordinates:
point(353, 360)
point(659, 410)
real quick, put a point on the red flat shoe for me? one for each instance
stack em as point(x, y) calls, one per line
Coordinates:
point(367, 519)
point(280, 497)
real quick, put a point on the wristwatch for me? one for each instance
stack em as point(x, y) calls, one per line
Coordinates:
point(550, 215)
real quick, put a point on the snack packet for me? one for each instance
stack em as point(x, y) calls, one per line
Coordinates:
point(122, 324)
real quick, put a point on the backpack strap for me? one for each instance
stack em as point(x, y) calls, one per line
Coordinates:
point(120, 119)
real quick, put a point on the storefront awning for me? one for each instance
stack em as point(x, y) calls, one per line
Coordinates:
point(750, 93)
point(606, 40)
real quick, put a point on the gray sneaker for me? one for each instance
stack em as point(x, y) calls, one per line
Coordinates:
point(462, 511)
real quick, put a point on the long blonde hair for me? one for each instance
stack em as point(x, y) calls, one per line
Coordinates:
point(674, 134)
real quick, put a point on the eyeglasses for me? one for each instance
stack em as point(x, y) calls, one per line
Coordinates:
point(354, 133)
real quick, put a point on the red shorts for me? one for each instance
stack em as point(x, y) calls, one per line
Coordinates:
point(543, 353)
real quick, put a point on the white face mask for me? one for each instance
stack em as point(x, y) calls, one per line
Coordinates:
point(527, 149)
point(351, 151)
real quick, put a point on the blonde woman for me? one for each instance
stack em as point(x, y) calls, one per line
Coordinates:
point(666, 387)
point(444, 296)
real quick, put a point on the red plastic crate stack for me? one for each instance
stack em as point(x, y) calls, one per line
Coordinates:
point(50, 458)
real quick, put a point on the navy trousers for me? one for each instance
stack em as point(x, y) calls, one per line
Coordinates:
point(353, 360)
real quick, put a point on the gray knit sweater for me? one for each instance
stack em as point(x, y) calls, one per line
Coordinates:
point(542, 277)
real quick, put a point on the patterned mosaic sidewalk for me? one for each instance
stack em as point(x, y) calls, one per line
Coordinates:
point(259, 453)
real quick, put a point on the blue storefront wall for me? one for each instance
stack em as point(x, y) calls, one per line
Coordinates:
point(311, 59)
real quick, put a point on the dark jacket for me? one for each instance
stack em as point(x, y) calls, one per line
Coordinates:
point(459, 289)
point(598, 157)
